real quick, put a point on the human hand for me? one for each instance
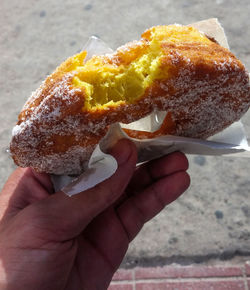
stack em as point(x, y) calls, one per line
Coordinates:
point(52, 241)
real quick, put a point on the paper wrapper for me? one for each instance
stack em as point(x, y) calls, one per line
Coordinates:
point(101, 166)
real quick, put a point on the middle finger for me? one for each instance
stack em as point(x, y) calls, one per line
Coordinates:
point(153, 170)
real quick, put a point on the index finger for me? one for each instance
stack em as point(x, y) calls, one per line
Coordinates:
point(64, 217)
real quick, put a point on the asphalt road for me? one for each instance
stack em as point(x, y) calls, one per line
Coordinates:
point(211, 220)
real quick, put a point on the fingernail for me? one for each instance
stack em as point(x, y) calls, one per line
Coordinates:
point(122, 151)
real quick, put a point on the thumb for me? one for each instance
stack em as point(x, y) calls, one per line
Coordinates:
point(70, 215)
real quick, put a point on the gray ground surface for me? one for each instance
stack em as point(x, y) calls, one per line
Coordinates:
point(212, 219)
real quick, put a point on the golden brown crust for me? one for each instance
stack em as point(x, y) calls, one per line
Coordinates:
point(207, 89)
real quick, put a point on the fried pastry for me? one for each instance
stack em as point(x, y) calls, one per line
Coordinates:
point(202, 86)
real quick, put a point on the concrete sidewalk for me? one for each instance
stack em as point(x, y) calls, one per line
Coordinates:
point(175, 277)
point(211, 220)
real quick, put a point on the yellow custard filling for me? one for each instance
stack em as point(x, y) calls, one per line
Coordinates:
point(110, 83)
